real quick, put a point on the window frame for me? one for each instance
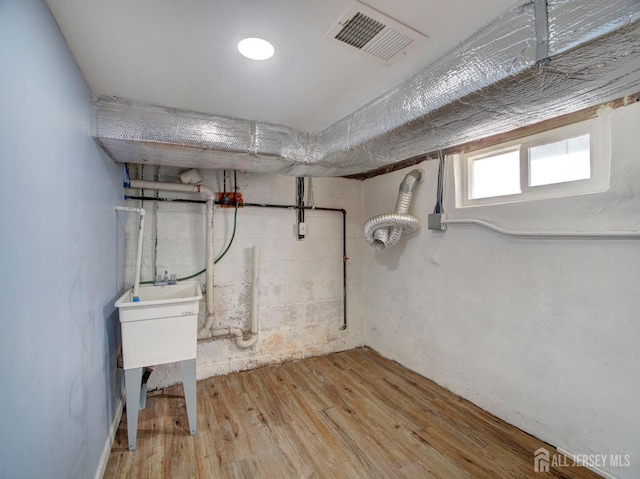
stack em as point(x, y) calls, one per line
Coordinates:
point(600, 154)
point(482, 155)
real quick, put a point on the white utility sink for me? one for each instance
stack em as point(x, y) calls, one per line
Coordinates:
point(160, 328)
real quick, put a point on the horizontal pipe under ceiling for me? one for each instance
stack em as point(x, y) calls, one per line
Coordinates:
point(490, 84)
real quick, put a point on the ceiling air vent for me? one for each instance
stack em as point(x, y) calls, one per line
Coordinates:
point(367, 31)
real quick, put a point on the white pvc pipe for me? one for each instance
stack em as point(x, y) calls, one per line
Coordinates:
point(210, 259)
point(157, 185)
point(237, 333)
point(255, 290)
point(136, 283)
point(545, 234)
point(207, 332)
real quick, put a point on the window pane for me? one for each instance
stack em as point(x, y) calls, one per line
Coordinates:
point(566, 160)
point(497, 175)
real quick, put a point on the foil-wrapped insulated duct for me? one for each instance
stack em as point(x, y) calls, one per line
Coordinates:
point(384, 231)
point(492, 83)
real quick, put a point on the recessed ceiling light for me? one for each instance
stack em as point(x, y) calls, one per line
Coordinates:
point(256, 48)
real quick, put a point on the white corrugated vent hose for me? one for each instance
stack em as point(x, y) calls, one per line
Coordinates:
point(384, 231)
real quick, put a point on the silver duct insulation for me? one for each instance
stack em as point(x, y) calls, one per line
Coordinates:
point(134, 132)
point(494, 82)
point(384, 231)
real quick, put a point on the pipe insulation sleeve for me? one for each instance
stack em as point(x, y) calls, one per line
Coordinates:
point(384, 231)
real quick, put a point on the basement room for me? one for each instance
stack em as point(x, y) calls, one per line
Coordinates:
point(334, 240)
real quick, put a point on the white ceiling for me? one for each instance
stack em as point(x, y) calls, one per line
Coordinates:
point(182, 54)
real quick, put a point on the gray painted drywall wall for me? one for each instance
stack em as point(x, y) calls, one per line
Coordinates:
point(542, 333)
point(61, 270)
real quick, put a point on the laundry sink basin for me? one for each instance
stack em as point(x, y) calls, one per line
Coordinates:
point(162, 327)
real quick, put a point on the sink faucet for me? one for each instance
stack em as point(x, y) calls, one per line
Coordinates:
point(166, 280)
point(160, 281)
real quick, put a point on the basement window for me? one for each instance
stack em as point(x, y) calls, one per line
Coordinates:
point(568, 161)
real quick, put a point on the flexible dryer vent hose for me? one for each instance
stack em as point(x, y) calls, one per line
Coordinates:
point(384, 231)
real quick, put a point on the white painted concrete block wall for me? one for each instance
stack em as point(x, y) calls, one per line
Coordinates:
point(542, 333)
point(300, 303)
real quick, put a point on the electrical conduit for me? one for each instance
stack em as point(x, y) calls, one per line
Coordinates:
point(384, 231)
point(614, 234)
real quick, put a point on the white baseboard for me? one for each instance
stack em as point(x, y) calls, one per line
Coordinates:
point(104, 458)
point(597, 470)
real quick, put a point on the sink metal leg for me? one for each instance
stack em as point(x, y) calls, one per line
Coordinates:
point(189, 385)
point(132, 380)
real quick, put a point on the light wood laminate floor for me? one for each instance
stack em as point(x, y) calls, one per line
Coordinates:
point(352, 414)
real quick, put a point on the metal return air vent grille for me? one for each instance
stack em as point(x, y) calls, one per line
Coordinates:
point(359, 31)
point(375, 35)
